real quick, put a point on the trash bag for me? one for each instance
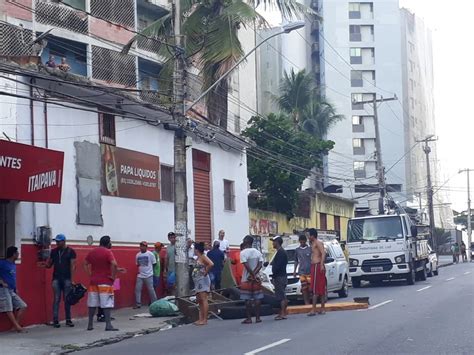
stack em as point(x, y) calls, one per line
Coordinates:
point(171, 279)
point(77, 292)
point(163, 308)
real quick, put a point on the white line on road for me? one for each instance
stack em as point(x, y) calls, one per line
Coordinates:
point(269, 346)
point(450, 279)
point(467, 273)
point(380, 304)
point(424, 288)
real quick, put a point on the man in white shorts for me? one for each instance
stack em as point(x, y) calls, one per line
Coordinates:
point(101, 267)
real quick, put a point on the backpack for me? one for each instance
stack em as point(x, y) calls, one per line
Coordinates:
point(77, 292)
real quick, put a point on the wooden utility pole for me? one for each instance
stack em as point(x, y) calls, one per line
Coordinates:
point(429, 190)
point(180, 188)
point(378, 148)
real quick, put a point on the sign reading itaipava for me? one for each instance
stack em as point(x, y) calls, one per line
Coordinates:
point(126, 173)
point(29, 173)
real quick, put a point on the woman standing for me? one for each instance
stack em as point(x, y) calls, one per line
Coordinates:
point(202, 282)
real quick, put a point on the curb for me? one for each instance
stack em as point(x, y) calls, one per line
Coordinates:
point(444, 265)
point(330, 307)
point(171, 323)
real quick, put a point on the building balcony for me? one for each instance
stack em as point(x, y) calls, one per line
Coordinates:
point(148, 11)
point(55, 14)
point(74, 54)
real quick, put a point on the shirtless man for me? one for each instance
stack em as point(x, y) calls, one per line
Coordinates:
point(318, 271)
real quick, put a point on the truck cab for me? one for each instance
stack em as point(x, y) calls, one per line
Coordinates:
point(386, 247)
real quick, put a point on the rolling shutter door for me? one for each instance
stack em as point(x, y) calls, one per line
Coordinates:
point(202, 196)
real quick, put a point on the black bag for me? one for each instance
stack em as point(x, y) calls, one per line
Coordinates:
point(77, 292)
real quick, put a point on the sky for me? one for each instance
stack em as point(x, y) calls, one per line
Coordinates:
point(454, 74)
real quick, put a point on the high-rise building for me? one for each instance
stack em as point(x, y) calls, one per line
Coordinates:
point(360, 51)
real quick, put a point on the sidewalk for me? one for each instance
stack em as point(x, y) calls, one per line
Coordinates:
point(445, 260)
point(44, 339)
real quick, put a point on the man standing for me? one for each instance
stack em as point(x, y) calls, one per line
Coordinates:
point(170, 267)
point(102, 268)
point(303, 261)
point(251, 286)
point(217, 257)
point(63, 258)
point(157, 266)
point(279, 276)
point(224, 244)
point(318, 272)
point(145, 260)
point(10, 302)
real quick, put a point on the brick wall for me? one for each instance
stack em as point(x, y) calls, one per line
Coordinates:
point(109, 32)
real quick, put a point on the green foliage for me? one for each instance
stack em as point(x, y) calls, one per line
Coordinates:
point(462, 220)
point(442, 236)
point(279, 176)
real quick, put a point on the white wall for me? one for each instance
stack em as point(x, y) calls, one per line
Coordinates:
point(125, 220)
point(229, 165)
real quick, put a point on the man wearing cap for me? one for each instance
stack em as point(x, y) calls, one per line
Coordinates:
point(63, 258)
point(279, 276)
point(145, 261)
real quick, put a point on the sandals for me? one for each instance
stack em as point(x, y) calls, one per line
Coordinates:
point(280, 318)
point(249, 321)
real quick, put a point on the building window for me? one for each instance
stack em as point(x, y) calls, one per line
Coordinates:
point(229, 195)
point(167, 183)
point(355, 99)
point(358, 146)
point(354, 10)
point(356, 120)
point(337, 223)
point(354, 33)
point(359, 169)
point(356, 55)
point(323, 221)
point(356, 78)
point(107, 128)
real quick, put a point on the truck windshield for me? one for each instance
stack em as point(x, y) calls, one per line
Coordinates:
point(371, 229)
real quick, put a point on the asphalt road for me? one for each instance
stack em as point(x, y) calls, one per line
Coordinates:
point(431, 317)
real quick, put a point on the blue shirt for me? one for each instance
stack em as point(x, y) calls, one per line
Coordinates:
point(8, 273)
point(217, 257)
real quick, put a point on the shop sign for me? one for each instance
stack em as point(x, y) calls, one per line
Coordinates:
point(29, 173)
point(130, 174)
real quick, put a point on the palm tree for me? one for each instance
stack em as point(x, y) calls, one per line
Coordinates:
point(299, 98)
point(211, 40)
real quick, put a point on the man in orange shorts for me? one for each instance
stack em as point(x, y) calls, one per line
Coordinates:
point(303, 266)
point(318, 272)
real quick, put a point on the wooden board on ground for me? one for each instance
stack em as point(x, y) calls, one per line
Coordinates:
point(330, 307)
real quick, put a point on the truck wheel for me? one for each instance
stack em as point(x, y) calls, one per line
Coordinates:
point(411, 276)
point(344, 291)
point(422, 274)
point(355, 282)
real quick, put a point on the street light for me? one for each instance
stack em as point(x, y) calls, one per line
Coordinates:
point(287, 28)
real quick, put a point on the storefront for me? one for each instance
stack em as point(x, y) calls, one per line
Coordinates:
point(27, 173)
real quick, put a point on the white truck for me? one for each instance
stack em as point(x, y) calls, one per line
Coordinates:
point(386, 247)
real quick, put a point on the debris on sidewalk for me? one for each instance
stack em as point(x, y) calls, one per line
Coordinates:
point(330, 307)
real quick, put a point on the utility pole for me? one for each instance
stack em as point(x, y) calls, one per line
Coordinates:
point(180, 188)
point(420, 207)
point(469, 228)
point(429, 189)
point(378, 148)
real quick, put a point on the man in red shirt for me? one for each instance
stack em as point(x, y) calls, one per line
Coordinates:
point(101, 267)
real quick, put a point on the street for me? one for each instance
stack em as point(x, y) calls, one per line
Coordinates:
point(431, 317)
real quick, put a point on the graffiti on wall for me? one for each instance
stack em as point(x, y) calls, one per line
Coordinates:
point(263, 227)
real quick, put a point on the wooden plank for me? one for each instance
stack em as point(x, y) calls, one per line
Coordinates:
point(330, 307)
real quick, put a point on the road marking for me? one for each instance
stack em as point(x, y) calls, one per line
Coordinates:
point(424, 288)
point(266, 347)
point(450, 279)
point(380, 304)
point(467, 273)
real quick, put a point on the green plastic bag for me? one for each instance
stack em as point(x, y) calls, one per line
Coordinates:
point(163, 308)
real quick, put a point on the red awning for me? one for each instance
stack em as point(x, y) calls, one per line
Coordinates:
point(29, 173)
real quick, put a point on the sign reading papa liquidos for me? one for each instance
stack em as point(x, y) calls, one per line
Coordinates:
point(126, 173)
point(29, 173)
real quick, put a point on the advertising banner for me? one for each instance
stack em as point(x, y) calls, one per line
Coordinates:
point(29, 173)
point(130, 174)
